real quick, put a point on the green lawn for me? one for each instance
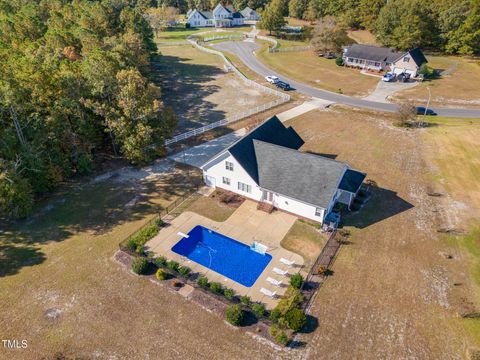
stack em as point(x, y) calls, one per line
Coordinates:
point(177, 34)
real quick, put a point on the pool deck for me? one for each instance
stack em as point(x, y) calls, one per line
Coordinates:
point(246, 224)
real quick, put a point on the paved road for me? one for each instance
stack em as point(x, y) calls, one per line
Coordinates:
point(244, 50)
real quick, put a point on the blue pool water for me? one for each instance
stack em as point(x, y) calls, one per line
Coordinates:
point(222, 254)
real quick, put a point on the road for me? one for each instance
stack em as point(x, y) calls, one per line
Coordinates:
point(245, 52)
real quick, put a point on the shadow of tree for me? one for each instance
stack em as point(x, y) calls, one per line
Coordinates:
point(93, 208)
point(184, 88)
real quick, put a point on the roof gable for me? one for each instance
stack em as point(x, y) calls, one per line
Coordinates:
point(352, 180)
point(271, 131)
point(302, 176)
point(220, 7)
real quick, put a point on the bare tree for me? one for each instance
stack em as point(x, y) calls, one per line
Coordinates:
point(406, 114)
point(329, 36)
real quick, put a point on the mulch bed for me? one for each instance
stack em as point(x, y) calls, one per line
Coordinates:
point(203, 298)
point(228, 198)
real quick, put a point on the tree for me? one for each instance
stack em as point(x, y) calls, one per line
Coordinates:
point(465, 39)
point(406, 113)
point(368, 11)
point(296, 8)
point(329, 36)
point(16, 195)
point(161, 18)
point(272, 17)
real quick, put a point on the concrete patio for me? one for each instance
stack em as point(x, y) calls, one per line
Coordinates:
point(246, 224)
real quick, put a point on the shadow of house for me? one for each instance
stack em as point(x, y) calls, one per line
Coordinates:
point(329, 156)
point(382, 205)
point(185, 87)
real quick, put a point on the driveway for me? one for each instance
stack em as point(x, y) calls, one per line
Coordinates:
point(245, 52)
point(386, 89)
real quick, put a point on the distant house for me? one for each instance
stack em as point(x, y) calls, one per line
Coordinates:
point(250, 14)
point(384, 59)
point(221, 16)
point(266, 166)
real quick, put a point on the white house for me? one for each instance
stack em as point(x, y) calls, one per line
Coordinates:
point(266, 166)
point(221, 16)
point(250, 14)
point(380, 58)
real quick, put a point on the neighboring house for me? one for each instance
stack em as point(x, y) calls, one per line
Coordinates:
point(250, 14)
point(384, 59)
point(266, 166)
point(221, 16)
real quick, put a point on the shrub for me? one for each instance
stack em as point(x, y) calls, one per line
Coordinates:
point(216, 287)
point(229, 294)
point(275, 315)
point(184, 271)
point(245, 300)
point(295, 319)
point(339, 60)
point(258, 310)
point(131, 244)
point(296, 281)
point(426, 71)
point(234, 315)
point(321, 270)
point(161, 274)
point(173, 265)
point(175, 283)
point(278, 335)
point(202, 281)
point(136, 242)
point(139, 265)
point(160, 261)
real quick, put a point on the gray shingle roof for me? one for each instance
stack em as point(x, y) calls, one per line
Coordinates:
point(206, 14)
point(271, 131)
point(306, 177)
point(373, 53)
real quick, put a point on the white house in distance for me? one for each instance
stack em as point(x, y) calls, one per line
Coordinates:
point(380, 59)
point(266, 166)
point(221, 16)
point(250, 14)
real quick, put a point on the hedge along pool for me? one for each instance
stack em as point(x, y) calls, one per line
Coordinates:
point(222, 254)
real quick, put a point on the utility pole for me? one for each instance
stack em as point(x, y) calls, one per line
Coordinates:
point(428, 102)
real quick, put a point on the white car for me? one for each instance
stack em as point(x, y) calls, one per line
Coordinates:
point(272, 79)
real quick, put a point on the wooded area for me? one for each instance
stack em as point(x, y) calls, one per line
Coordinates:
point(74, 81)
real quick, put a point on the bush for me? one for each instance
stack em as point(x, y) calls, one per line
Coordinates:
point(202, 281)
point(339, 60)
point(173, 265)
point(234, 315)
point(136, 242)
point(131, 245)
point(275, 315)
point(296, 281)
point(160, 261)
point(258, 310)
point(245, 300)
point(278, 335)
point(229, 294)
point(216, 287)
point(295, 319)
point(161, 274)
point(139, 265)
point(184, 271)
point(426, 71)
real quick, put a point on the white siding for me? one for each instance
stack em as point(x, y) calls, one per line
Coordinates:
point(297, 207)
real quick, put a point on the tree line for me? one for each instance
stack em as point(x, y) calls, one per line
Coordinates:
point(184, 5)
point(450, 26)
point(74, 81)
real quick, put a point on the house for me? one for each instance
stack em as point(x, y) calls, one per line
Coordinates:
point(221, 16)
point(266, 166)
point(250, 14)
point(384, 59)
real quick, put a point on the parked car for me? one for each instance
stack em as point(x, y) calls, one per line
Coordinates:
point(403, 77)
point(272, 79)
point(388, 77)
point(283, 85)
point(421, 111)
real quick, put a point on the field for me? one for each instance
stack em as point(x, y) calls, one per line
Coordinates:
point(319, 72)
point(458, 88)
point(196, 86)
point(392, 285)
point(363, 37)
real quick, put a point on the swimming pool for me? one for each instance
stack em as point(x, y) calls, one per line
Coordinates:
point(222, 254)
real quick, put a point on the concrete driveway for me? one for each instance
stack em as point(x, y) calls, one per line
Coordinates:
point(245, 52)
point(386, 89)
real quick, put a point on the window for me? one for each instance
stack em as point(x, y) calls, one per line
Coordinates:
point(318, 211)
point(229, 165)
point(406, 59)
point(226, 180)
point(244, 187)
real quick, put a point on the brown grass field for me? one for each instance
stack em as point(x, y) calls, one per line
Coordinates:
point(363, 37)
point(391, 295)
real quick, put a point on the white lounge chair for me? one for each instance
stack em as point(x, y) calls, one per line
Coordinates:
point(280, 271)
point(287, 262)
point(268, 292)
point(274, 281)
point(259, 248)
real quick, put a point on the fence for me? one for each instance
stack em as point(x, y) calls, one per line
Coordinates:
point(223, 37)
point(282, 98)
point(289, 49)
point(173, 43)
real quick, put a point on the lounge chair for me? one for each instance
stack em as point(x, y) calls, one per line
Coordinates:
point(280, 271)
point(274, 281)
point(259, 248)
point(268, 292)
point(287, 262)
